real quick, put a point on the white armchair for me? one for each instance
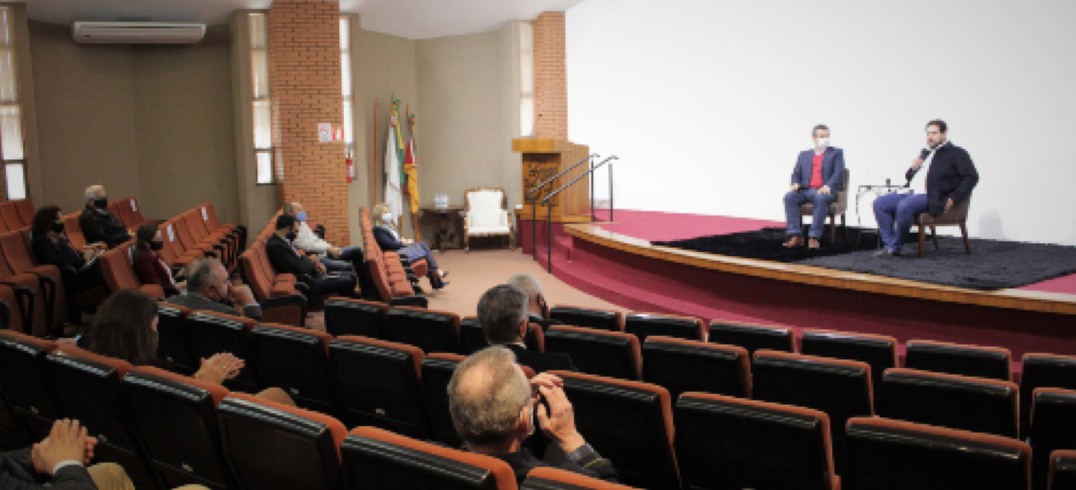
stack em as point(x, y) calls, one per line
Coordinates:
point(485, 213)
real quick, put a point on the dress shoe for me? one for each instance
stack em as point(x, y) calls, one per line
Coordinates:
point(795, 241)
point(812, 244)
point(442, 273)
point(885, 252)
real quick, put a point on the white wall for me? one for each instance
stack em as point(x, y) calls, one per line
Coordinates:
point(708, 102)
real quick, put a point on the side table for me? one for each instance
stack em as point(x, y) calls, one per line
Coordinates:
point(445, 238)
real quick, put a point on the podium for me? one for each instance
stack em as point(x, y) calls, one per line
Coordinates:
point(544, 158)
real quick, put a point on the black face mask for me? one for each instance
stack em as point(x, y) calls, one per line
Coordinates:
point(290, 236)
point(101, 203)
point(156, 245)
point(58, 227)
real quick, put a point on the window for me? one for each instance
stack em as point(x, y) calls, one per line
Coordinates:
point(526, 78)
point(345, 81)
point(12, 153)
point(261, 108)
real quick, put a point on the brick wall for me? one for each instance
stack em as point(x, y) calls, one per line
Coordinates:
point(550, 81)
point(304, 85)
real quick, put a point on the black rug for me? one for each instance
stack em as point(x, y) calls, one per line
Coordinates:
point(993, 264)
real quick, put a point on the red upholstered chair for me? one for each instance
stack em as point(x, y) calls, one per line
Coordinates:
point(384, 460)
point(962, 359)
point(25, 207)
point(728, 442)
point(588, 317)
point(751, 337)
point(281, 298)
point(888, 454)
point(644, 455)
point(9, 214)
point(33, 294)
point(270, 445)
point(949, 400)
point(16, 250)
point(693, 365)
point(117, 269)
point(594, 351)
point(646, 324)
point(379, 383)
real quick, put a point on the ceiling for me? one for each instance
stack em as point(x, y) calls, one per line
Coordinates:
point(413, 19)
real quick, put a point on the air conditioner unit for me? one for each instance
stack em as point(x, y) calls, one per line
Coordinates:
point(137, 32)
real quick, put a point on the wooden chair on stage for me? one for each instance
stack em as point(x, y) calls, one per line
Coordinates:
point(957, 216)
point(838, 206)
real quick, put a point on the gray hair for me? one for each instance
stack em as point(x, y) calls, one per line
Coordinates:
point(288, 209)
point(201, 275)
point(500, 311)
point(485, 395)
point(528, 283)
point(91, 191)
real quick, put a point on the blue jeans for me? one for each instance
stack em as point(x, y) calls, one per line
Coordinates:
point(419, 250)
point(895, 214)
point(350, 257)
point(795, 199)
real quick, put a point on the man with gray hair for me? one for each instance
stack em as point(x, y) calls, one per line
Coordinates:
point(209, 288)
point(495, 408)
point(503, 316)
point(97, 222)
point(537, 311)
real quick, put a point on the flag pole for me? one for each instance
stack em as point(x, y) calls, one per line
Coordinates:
point(414, 214)
point(372, 167)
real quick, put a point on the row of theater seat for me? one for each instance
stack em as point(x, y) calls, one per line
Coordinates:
point(182, 431)
point(395, 278)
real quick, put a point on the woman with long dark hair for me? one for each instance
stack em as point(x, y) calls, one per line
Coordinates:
point(50, 245)
point(148, 263)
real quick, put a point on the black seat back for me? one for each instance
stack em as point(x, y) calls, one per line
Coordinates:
point(24, 381)
point(1043, 371)
point(1062, 470)
point(378, 384)
point(429, 330)
point(296, 360)
point(472, 339)
point(212, 333)
point(891, 454)
point(588, 317)
point(879, 351)
point(727, 443)
point(174, 339)
point(614, 354)
point(647, 324)
point(692, 365)
point(965, 360)
point(1053, 427)
point(347, 316)
point(751, 337)
point(437, 370)
point(949, 400)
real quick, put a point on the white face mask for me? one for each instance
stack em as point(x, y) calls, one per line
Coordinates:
point(386, 218)
point(822, 143)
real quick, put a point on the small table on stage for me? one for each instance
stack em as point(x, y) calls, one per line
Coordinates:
point(878, 190)
point(446, 233)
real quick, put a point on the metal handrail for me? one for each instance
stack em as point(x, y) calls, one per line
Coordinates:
point(534, 201)
point(549, 209)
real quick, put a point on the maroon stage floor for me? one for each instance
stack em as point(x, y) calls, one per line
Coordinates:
point(616, 262)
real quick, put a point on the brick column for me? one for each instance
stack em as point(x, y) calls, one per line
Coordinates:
point(550, 79)
point(304, 86)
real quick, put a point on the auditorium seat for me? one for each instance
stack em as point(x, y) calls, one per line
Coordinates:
point(15, 246)
point(270, 445)
point(727, 443)
point(9, 213)
point(888, 454)
point(588, 317)
point(32, 292)
point(282, 299)
point(212, 222)
point(949, 400)
point(839, 387)
point(751, 337)
point(212, 333)
point(691, 365)
point(348, 316)
point(595, 351)
point(25, 208)
point(296, 360)
point(962, 359)
point(23, 379)
point(73, 230)
point(16, 307)
point(1041, 371)
point(379, 384)
point(87, 387)
point(179, 255)
point(880, 351)
point(628, 422)
point(378, 459)
point(117, 270)
point(174, 340)
point(429, 330)
point(643, 325)
point(436, 371)
point(176, 418)
point(473, 339)
point(1053, 426)
point(12, 434)
point(1063, 470)
point(550, 478)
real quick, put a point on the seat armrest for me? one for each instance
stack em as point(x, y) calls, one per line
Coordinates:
point(413, 300)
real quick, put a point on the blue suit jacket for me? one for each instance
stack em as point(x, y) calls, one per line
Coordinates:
point(832, 168)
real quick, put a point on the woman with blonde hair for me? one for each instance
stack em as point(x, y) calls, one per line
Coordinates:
point(388, 238)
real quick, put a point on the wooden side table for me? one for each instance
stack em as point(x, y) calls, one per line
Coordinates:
point(445, 238)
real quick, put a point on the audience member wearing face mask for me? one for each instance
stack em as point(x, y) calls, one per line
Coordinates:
point(388, 238)
point(148, 264)
point(78, 269)
point(97, 222)
point(287, 258)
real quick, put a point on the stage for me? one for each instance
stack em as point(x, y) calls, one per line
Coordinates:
point(617, 262)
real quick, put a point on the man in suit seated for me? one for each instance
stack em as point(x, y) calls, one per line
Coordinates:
point(495, 409)
point(61, 457)
point(816, 179)
point(503, 315)
point(537, 311)
point(209, 288)
point(308, 269)
point(97, 222)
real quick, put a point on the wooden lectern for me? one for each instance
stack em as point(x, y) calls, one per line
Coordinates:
point(544, 158)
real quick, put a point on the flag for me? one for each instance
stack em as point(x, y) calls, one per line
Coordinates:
point(393, 196)
point(411, 167)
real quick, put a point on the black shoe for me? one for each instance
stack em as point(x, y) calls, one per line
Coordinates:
point(885, 252)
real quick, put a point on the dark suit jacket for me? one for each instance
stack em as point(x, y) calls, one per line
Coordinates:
point(17, 473)
point(952, 175)
point(832, 168)
point(542, 361)
point(151, 270)
point(196, 302)
point(522, 462)
point(102, 227)
point(59, 253)
point(284, 257)
point(385, 240)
